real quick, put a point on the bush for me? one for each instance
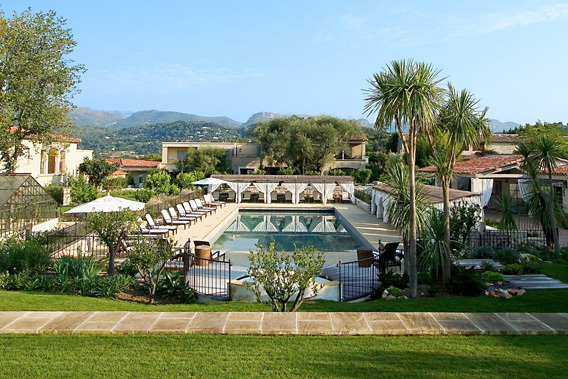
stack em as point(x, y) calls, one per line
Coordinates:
point(362, 176)
point(184, 179)
point(56, 191)
point(465, 282)
point(363, 196)
point(144, 195)
point(393, 291)
point(336, 172)
point(127, 268)
point(23, 256)
point(425, 278)
point(115, 183)
point(492, 277)
point(391, 278)
point(287, 171)
point(77, 267)
point(483, 252)
point(109, 286)
point(514, 269)
point(159, 181)
point(81, 191)
point(173, 285)
point(508, 255)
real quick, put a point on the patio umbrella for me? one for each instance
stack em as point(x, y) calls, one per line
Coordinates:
point(210, 182)
point(107, 204)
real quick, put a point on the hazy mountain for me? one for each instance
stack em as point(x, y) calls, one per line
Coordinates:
point(162, 117)
point(498, 126)
point(268, 116)
point(91, 117)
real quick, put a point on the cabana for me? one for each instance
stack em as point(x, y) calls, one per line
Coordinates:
point(381, 198)
point(295, 186)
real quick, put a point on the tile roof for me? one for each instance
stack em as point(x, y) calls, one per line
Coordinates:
point(433, 193)
point(124, 162)
point(481, 164)
point(505, 138)
point(55, 137)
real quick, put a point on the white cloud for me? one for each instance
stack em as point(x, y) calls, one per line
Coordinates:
point(163, 79)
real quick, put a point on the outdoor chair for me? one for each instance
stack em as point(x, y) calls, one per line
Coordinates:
point(388, 256)
point(175, 216)
point(195, 208)
point(168, 220)
point(200, 206)
point(215, 255)
point(153, 226)
point(192, 209)
point(182, 212)
point(153, 232)
point(210, 201)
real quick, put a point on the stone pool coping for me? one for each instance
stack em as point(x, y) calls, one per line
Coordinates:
point(301, 323)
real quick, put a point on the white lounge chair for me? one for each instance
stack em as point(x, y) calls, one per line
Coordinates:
point(196, 203)
point(176, 216)
point(193, 208)
point(168, 220)
point(181, 211)
point(152, 225)
point(211, 202)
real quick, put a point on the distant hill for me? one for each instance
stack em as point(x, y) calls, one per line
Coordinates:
point(91, 117)
point(498, 126)
point(147, 139)
point(268, 116)
point(157, 117)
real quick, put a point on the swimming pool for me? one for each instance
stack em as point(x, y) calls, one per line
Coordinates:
point(321, 229)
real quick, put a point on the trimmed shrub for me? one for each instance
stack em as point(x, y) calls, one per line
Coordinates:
point(465, 282)
point(483, 252)
point(492, 277)
point(508, 255)
point(23, 256)
point(172, 285)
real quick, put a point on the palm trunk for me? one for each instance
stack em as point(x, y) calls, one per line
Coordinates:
point(446, 196)
point(413, 284)
point(551, 215)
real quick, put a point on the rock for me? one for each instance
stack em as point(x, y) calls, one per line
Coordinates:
point(390, 297)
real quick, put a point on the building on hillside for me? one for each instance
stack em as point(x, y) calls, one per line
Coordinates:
point(245, 157)
point(501, 144)
point(51, 163)
point(136, 168)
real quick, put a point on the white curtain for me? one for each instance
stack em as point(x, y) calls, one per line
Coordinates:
point(295, 226)
point(266, 226)
point(349, 187)
point(524, 188)
point(298, 189)
point(325, 189)
point(238, 226)
point(266, 189)
point(213, 187)
point(373, 205)
point(486, 190)
point(292, 188)
point(386, 204)
point(325, 226)
point(238, 188)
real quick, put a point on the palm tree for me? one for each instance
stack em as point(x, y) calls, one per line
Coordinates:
point(406, 93)
point(546, 154)
point(460, 125)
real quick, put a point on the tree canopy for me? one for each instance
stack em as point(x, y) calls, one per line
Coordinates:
point(305, 144)
point(209, 160)
point(36, 81)
point(97, 170)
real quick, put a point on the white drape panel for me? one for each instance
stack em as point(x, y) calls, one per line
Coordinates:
point(234, 187)
point(486, 190)
point(238, 226)
point(325, 189)
point(266, 226)
point(299, 188)
point(386, 203)
point(295, 226)
point(325, 226)
point(292, 188)
point(213, 187)
point(266, 189)
point(373, 205)
point(524, 188)
point(238, 188)
point(320, 187)
point(349, 187)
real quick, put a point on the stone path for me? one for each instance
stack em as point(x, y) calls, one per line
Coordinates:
point(535, 282)
point(302, 323)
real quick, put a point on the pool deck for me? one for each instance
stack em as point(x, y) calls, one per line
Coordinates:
point(367, 227)
point(267, 323)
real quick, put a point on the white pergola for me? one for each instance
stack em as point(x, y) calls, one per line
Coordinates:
point(295, 184)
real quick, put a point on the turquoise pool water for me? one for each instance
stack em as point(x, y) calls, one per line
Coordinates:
point(286, 229)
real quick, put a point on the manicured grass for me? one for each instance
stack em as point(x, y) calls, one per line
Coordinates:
point(282, 356)
point(546, 301)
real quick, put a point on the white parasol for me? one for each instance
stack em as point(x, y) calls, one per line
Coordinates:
point(107, 204)
point(212, 183)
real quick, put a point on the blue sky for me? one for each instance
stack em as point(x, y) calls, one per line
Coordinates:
point(229, 58)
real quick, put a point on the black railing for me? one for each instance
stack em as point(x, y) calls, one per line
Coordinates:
point(357, 278)
point(208, 277)
point(498, 239)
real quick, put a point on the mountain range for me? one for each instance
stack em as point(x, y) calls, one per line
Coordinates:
point(90, 117)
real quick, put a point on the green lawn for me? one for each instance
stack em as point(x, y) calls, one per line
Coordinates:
point(282, 356)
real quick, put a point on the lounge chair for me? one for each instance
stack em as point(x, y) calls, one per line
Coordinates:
point(193, 210)
point(153, 231)
point(388, 257)
point(175, 216)
point(168, 220)
point(215, 255)
point(201, 207)
point(182, 212)
point(152, 225)
point(210, 201)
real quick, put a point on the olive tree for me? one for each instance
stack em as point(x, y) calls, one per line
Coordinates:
point(37, 79)
point(281, 275)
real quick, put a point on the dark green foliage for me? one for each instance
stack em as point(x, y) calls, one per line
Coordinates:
point(391, 278)
point(464, 218)
point(362, 176)
point(513, 269)
point(23, 256)
point(56, 191)
point(184, 179)
point(363, 196)
point(508, 255)
point(483, 252)
point(147, 139)
point(144, 195)
point(97, 170)
point(287, 171)
point(114, 183)
point(492, 277)
point(172, 285)
point(127, 268)
point(160, 182)
point(336, 172)
point(208, 160)
point(81, 191)
point(425, 278)
point(465, 282)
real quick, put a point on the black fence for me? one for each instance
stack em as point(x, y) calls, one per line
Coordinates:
point(356, 279)
point(208, 277)
point(498, 239)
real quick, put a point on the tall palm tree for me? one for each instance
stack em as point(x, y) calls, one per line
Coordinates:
point(460, 125)
point(406, 93)
point(546, 154)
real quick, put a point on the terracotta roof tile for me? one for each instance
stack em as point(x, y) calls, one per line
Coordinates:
point(124, 162)
point(482, 164)
point(55, 137)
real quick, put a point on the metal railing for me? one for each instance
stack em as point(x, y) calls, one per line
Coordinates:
point(498, 239)
point(208, 277)
point(357, 278)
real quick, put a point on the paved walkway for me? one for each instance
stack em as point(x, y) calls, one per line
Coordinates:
point(302, 323)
